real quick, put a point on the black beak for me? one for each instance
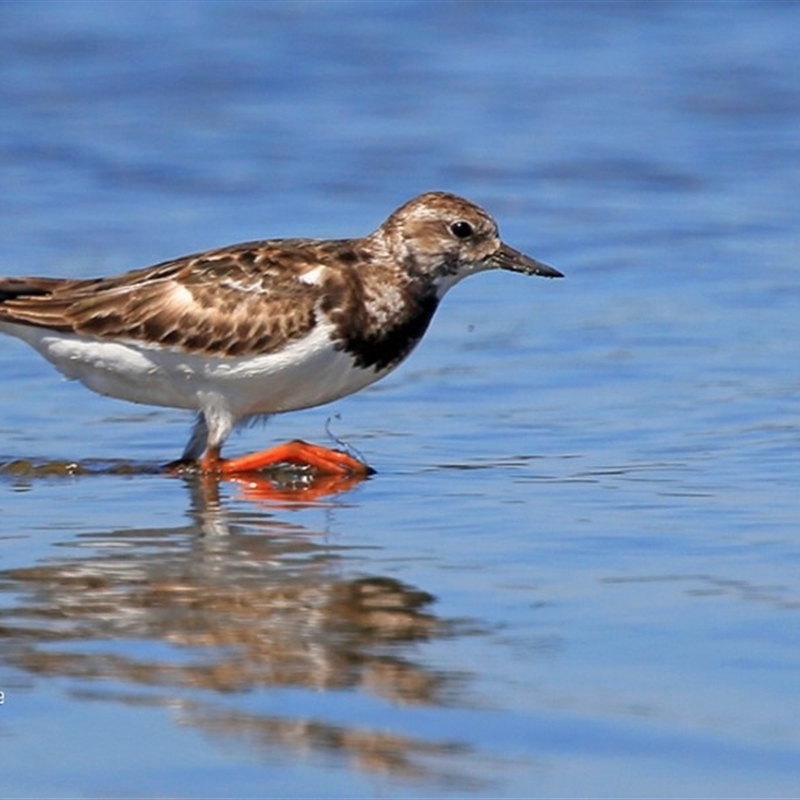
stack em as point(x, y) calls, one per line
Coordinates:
point(509, 258)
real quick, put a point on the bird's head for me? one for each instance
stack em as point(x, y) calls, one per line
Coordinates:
point(443, 238)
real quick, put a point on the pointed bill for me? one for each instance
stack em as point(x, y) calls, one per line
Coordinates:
point(509, 258)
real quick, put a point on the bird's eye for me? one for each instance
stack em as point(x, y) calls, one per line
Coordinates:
point(461, 229)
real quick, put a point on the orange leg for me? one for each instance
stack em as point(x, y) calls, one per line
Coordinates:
point(323, 460)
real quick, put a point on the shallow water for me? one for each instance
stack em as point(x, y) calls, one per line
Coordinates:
point(575, 572)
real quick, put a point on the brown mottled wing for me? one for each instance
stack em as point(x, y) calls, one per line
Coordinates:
point(237, 301)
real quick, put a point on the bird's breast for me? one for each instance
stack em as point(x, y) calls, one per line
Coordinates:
point(382, 328)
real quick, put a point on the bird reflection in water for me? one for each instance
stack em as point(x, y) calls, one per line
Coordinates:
point(238, 601)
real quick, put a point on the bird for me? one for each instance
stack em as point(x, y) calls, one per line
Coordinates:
point(262, 327)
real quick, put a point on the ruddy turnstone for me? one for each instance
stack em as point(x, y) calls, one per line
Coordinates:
point(262, 327)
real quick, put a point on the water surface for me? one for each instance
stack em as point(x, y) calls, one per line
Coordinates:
point(575, 572)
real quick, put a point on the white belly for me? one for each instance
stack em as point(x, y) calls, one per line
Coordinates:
point(309, 372)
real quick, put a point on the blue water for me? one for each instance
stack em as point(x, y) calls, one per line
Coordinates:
point(576, 571)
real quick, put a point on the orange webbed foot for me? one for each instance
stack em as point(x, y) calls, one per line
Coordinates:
point(322, 460)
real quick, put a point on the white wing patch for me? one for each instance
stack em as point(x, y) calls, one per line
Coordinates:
point(314, 276)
